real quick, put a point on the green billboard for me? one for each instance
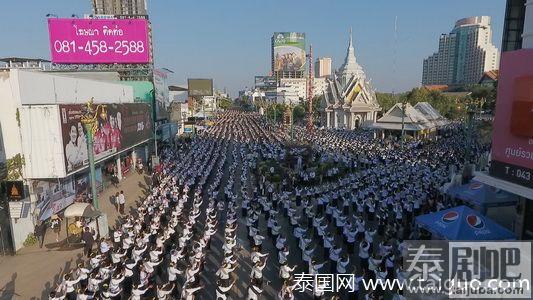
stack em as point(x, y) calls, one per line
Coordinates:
point(289, 51)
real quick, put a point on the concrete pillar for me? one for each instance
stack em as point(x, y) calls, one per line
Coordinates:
point(345, 125)
point(527, 36)
point(328, 119)
point(335, 120)
point(119, 168)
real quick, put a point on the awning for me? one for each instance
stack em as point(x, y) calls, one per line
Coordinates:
point(507, 186)
point(463, 224)
point(482, 195)
point(85, 210)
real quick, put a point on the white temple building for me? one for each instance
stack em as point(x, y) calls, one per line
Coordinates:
point(350, 99)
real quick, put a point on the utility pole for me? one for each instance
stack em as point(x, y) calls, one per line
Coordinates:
point(404, 104)
point(310, 90)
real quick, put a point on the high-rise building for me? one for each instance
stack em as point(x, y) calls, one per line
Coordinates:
point(513, 26)
point(119, 7)
point(463, 55)
point(323, 67)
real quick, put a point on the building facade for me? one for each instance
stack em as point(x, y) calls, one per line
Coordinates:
point(119, 7)
point(323, 67)
point(513, 26)
point(298, 85)
point(42, 132)
point(463, 55)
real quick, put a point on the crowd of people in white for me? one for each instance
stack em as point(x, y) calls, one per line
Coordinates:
point(213, 226)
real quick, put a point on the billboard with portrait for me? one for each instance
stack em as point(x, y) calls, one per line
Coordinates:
point(512, 140)
point(161, 93)
point(200, 87)
point(95, 41)
point(123, 126)
point(289, 51)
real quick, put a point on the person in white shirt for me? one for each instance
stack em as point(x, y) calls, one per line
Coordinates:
point(342, 264)
point(68, 285)
point(285, 272)
point(164, 291)
point(188, 291)
point(223, 290)
point(257, 271)
point(334, 256)
point(363, 254)
point(254, 292)
point(56, 296)
point(283, 255)
point(138, 291)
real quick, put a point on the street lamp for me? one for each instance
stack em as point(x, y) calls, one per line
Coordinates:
point(89, 119)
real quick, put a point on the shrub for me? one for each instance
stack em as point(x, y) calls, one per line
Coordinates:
point(31, 240)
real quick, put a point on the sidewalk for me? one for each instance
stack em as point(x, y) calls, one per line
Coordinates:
point(34, 271)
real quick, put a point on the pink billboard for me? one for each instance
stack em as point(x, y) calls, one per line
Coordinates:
point(97, 41)
point(512, 140)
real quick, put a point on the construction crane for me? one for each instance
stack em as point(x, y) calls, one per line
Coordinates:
point(310, 90)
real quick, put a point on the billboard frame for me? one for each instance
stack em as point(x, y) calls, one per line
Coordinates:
point(200, 93)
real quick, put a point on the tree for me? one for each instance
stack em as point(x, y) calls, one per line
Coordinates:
point(299, 113)
point(225, 103)
point(485, 92)
point(387, 100)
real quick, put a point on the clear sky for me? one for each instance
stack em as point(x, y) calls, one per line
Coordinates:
point(229, 40)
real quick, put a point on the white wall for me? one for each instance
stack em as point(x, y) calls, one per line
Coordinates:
point(24, 87)
point(527, 41)
point(8, 112)
point(20, 230)
point(42, 142)
point(45, 88)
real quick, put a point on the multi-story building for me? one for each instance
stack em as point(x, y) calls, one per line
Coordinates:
point(323, 67)
point(298, 85)
point(463, 55)
point(515, 12)
point(43, 139)
point(119, 7)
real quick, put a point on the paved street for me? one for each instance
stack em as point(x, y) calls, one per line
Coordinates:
point(33, 271)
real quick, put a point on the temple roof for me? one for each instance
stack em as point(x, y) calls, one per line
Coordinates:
point(350, 67)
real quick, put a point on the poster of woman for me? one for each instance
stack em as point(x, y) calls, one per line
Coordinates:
point(123, 126)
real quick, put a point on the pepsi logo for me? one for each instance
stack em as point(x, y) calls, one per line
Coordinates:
point(476, 186)
point(475, 222)
point(450, 216)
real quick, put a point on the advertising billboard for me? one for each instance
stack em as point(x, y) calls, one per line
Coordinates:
point(96, 41)
point(200, 87)
point(161, 93)
point(53, 196)
point(289, 51)
point(123, 126)
point(512, 140)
